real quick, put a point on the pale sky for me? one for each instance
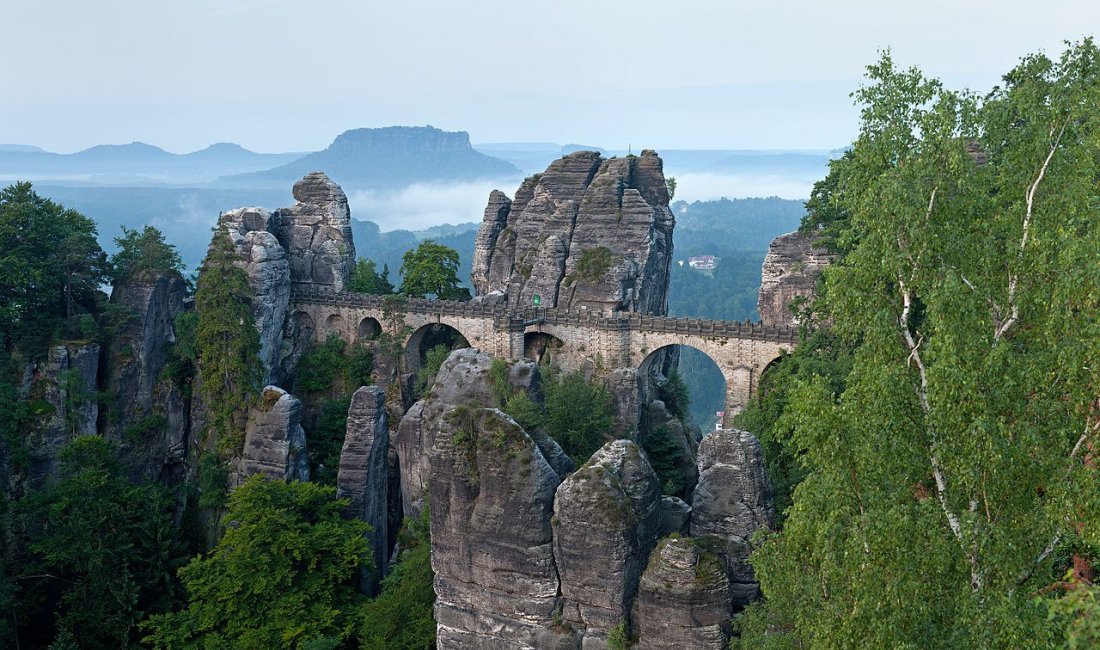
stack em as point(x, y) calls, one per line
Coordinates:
point(288, 75)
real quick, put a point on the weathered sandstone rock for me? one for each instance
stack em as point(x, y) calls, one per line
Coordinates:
point(683, 599)
point(790, 271)
point(363, 477)
point(147, 413)
point(675, 515)
point(492, 495)
point(316, 234)
point(274, 441)
point(66, 381)
point(732, 500)
point(264, 260)
point(606, 520)
point(587, 232)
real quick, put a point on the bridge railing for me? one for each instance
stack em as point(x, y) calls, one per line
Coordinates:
point(554, 316)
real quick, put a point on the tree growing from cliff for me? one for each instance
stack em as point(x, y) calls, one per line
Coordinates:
point(365, 278)
point(142, 251)
point(432, 269)
point(953, 480)
point(280, 577)
point(51, 267)
point(227, 341)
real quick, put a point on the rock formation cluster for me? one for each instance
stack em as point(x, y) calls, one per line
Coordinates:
point(588, 232)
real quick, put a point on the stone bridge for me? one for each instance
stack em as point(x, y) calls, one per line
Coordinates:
point(741, 350)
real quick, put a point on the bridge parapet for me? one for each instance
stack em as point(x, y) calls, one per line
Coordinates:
point(513, 319)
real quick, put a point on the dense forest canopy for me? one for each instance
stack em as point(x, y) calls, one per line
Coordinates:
point(941, 444)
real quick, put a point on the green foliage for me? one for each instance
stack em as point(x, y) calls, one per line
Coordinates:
point(579, 414)
point(321, 365)
point(432, 269)
point(333, 368)
point(1078, 613)
point(107, 548)
point(433, 361)
point(949, 459)
point(179, 368)
point(51, 268)
point(213, 476)
point(228, 343)
point(674, 393)
point(280, 577)
point(326, 439)
point(670, 184)
point(401, 617)
point(666, 454)
point(618, 638)
point(819, 354)
point(825, 211)
point(146, 427)
point(142, 251)
point(365, 278)
point(594, 263)
point(499, 383)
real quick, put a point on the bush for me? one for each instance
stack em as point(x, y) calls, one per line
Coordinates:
point(281, 577)
point(327, 439)
point(433, 361)
point(212, 478)
point(401, 617)
point(579, 414)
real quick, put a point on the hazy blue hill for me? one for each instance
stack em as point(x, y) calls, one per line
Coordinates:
point(185, 215)
point(743, 224)
point(388, 157)
point(134, 163)
point(23, 148)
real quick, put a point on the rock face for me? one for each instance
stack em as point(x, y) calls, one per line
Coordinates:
point(492, 495)
point(790, 271)
point(66, 381)
point(306, 245)
point(147, 414)
point(462, 379)
point(316, 234)
point(363, 477)
point(606, 521)
point(683, 599)
point(733, 499)
point(274, 441)
point(587, 232)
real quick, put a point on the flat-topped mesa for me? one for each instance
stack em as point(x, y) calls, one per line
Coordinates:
point(588, 232)
point(316, 234)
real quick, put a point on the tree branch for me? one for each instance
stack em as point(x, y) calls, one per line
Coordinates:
point(1014, 277)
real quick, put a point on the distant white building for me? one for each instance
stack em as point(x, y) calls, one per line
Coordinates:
point(702, 262)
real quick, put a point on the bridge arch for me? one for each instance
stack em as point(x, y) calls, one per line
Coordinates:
point(335, 324)
point(304, 327)
point(369, 329)
point(542, 347)
point(703, 375)
point(429, 336)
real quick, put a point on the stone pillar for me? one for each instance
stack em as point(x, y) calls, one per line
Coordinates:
point(739, 390)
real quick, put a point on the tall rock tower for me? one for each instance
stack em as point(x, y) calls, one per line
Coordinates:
point(588, 232)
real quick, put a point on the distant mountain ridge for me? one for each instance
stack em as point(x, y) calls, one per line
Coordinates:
point(387, 157)
point(136, 162)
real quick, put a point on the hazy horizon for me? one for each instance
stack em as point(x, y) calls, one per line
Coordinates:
point(282, 75)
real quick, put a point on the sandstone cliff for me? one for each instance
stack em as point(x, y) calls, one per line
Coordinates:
point(587, 232)
point(790, 271)
point(147, 413)
point(363, 477)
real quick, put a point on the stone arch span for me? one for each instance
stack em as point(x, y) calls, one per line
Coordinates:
point(338, 325)
point(368, 329)
point(428, 336)
point(706, 400)
point(543, 347)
